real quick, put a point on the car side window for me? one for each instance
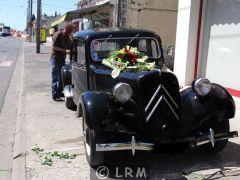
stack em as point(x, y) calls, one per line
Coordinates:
point(142, 45)
point(81, 55)
point(154, 49)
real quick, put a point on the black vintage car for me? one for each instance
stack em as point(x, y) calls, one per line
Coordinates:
point(140, 110)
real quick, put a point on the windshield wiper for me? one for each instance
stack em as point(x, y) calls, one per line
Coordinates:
point(104, 42)
point(131, 40)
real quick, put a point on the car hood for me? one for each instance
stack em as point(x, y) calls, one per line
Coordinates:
point(104, 81)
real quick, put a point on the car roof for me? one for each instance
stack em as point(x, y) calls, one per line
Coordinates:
point(114, 32)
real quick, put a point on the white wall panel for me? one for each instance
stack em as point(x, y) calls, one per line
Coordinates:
point(221, 44)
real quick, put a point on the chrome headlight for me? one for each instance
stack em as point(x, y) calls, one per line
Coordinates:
point(122, 92)
point(202, 86)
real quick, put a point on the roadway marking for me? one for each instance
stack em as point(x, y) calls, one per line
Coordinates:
point(6, 63)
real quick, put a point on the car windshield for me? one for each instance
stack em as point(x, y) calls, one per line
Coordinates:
point(103, 48)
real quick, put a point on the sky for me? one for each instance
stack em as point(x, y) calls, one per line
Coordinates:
point(13, 12)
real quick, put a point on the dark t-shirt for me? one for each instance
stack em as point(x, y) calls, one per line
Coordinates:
point(62, 41)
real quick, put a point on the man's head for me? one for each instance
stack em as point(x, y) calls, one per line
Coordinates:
point(68, 29)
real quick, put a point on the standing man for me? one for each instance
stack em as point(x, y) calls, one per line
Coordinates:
point(60, 48)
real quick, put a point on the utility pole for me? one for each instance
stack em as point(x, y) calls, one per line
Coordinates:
point(30, 30)
point(38, 25)
point(28, 18)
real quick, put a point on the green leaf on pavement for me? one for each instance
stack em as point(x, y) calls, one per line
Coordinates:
point(37, 149)
point(46, 158)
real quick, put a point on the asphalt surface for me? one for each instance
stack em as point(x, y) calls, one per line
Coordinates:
point(10, 54)
point(9, 51)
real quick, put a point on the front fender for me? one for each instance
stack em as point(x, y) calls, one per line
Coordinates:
point(197, 111)
point(95, 106)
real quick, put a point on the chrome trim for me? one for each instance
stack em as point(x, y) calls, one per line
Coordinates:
point(196, 84)
point(80, 68)
point(154, 108)
point(67, 91)
point(211, 137)
point(168, 94)
point(175, 114)
point(133, 145)
point(125, 146)
point(124, 85)
point(153, 97)
point(217, 137)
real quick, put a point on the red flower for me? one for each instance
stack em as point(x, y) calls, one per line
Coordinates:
point(119, 56)
point(134, 60)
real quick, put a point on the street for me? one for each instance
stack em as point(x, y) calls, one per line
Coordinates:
point(30, 119)
point(9, 52)
point(10, 49)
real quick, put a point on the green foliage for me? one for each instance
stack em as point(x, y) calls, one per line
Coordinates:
point(47, 157)
point(128, 58)
point(37, 149)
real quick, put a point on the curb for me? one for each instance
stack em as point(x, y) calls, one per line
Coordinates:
point(19, 151)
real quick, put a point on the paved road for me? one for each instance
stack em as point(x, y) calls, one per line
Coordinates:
point(9, 51)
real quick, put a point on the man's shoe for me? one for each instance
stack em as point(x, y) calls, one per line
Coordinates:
point(57, 99)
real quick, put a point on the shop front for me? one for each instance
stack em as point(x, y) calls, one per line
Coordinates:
point(97, 14)
point(207, 42)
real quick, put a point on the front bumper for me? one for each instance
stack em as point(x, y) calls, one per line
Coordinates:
point(194, 142)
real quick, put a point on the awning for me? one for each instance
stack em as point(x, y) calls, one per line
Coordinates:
point(87, 12)
point(58, 21)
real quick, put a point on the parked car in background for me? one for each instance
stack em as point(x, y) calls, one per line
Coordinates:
point(140, 110)
point(6, 34)
point(4, 30)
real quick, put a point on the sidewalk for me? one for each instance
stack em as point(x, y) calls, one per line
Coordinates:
point(49, 124)
point(53, 127)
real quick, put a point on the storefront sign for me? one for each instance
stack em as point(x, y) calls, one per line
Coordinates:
point(43, 35)
point(83, 5)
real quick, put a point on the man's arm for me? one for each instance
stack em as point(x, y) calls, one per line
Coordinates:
point(55, 48)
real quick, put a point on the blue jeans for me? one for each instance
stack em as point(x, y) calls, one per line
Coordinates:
point(57, 86)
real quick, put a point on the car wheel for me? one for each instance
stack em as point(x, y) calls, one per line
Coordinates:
point(93, 157)
point(221, 127)
point(69, 103)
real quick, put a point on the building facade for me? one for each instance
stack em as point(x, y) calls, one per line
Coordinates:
point(159, 16)
point(207, 42)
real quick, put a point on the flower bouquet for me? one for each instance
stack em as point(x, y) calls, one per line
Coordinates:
point(129, 59)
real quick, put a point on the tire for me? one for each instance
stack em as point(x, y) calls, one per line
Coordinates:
point(93, 157)
point(70, 104)
point(220, 127)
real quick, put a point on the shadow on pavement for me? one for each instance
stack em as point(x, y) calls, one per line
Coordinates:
point(188, 164)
